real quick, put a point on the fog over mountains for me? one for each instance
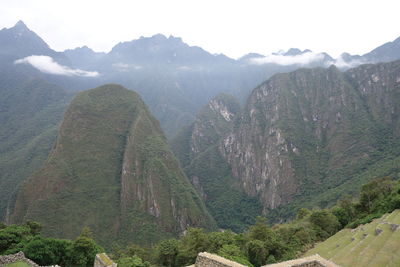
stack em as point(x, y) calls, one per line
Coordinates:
point(174, 79)
point(173, 137)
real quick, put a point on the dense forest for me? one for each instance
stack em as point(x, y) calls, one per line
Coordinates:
point(260, 244)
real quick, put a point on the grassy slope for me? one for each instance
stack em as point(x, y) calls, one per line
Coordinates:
point(18, 264)
point(370, 251)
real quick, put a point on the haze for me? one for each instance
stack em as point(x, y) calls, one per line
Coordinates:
point(233, 28)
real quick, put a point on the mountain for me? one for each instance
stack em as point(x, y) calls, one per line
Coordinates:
point(19, 42)
point(163, 50)
point(373, 244)
point(83, 57)
point(112, 170)
point(306, 133)
point(30, 111)
point(387, 52)
point(174, 78)
point(307, 137)
point(197, 148)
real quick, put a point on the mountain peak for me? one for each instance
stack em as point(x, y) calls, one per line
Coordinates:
point(20, 25)
point(293, 52)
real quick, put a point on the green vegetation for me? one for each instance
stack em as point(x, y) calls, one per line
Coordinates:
point(30, 112)
point(111, 168)
point(18, 264)
point(261, 244)
point(230, 206)
point(341, 146)
point(47, 251)
point(362, 246)
point(210, 173)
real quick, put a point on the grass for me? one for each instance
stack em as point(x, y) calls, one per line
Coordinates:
point(106, 259)
point(18, 264)
point(362, 247)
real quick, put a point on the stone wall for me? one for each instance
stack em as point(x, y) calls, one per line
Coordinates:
point(20, 256)
point(102, 260)
point(311, 261)
point(310, 264)
point(205, 259)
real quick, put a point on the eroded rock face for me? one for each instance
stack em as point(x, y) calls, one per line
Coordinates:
point(213, 122)
point(298, 128)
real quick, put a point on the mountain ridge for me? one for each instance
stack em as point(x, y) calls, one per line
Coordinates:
point(131, 184)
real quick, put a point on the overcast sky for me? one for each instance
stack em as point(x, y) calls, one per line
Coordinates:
point(231, 27)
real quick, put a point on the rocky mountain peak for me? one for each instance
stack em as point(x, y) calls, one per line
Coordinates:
point(21, 26)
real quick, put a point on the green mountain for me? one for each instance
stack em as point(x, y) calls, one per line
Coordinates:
point(30, 112)
point(307, 137)
point(111, 170)
point(197, 148)
point(375, 244)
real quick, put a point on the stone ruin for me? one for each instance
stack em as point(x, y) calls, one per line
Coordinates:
point(310, 261)
point(378, 231)
point(205, 259)
point(20, 256)
point(102, 260)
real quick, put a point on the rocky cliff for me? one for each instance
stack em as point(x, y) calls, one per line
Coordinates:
point(307, 137)
point(310, 130)
point(197, 148)
point(111, 168)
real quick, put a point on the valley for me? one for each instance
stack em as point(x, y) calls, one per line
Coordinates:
point(158, 150)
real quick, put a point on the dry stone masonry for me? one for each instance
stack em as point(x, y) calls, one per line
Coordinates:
point(102, 260)
point(311, 261)
point(20, 256)
point(205, 259)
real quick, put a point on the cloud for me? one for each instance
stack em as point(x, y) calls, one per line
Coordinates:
point(303, 59)
point(48, 65)
point(124, 67)
point(341, 63)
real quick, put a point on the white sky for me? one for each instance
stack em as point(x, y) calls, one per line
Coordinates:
point(231, 27)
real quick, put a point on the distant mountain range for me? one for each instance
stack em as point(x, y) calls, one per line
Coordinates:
point(175, 79)
point(256, 135)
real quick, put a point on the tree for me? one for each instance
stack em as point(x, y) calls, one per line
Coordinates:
point(133, 261)
point(167, 251)
point(256, 252)
point(325, 223)
point(84, 251)
point(302, 213)
point(372, 193)
point(34, 227)
point(233, 252)
point(48, 251)
point(193, 242)
point(261, 231)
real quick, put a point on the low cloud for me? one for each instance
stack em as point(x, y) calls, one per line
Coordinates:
point(125, 67)
point(303, 59)
point(343, 64)
point(46, 64)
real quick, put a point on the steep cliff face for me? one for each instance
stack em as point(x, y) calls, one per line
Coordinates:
point(111, 169)
point(209, 172)
point(312, 130)
point(213, 122)
point(379, 86)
